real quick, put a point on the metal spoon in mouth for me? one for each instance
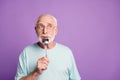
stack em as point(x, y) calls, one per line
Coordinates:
point(45, 42)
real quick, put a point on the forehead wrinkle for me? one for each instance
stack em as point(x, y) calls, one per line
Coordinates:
point(46, 22)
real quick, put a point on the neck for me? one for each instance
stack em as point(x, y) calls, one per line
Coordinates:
point(48, 46)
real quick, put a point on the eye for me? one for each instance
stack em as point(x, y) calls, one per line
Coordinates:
point(40, 26)
point(49, 26)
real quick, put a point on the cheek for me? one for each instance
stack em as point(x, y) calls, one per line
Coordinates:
point(38, 33)
point(52, 33)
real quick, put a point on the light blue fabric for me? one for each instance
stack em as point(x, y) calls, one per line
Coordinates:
point(61, 66)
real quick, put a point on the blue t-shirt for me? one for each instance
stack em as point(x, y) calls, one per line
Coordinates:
point(61, 66)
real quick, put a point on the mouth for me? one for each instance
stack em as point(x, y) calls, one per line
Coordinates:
point(45, 41)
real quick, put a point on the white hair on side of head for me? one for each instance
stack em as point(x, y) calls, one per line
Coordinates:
point(49, 16)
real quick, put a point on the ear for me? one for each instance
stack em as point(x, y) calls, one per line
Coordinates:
point(56, 30)
point(35, 27)
point(36, 30)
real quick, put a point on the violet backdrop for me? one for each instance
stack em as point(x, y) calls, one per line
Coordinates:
point(91, 28)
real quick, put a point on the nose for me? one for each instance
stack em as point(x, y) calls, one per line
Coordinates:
point(44, 30)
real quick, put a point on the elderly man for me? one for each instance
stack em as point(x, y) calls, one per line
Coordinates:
point(46, 60)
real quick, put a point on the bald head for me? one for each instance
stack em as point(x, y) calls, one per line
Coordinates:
point(47, 18)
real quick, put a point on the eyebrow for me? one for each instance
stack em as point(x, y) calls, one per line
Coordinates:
point(40, 24)
point(43, 24)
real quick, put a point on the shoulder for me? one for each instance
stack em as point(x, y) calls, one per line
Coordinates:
point(34, 45)
point(64, 48)
point(29, 48)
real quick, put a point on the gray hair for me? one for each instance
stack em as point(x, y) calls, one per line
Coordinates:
point(47, 15)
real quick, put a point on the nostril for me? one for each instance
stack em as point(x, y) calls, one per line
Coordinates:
point(44, 30)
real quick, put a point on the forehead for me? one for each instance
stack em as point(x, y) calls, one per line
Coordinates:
point(46, 20)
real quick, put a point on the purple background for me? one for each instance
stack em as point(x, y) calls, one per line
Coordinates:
point(91, 28)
